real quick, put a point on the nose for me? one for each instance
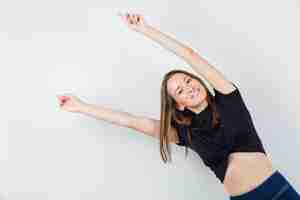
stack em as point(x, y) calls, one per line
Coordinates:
point(190, 90)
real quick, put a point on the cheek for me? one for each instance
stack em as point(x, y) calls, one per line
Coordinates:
point(203, 97)
point(182, 99)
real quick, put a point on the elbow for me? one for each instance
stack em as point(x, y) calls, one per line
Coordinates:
point(190, 51)
point(190, 55)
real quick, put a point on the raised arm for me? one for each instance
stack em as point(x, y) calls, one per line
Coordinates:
point(199, 64)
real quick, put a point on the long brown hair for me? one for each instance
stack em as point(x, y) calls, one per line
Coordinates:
point(168, 113)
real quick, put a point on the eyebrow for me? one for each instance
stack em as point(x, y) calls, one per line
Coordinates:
point(178, 86)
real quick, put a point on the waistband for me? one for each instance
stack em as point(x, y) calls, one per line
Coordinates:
point(271, 188)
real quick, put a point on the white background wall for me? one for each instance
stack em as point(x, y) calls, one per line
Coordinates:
point(85, 49)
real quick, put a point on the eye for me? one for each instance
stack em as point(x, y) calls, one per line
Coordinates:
point(188, 81)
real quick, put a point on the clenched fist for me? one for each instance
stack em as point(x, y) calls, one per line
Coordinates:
point(71, 103)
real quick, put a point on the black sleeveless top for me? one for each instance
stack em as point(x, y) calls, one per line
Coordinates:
point(236, 132)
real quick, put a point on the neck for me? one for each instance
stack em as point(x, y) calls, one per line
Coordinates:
point(199, 108)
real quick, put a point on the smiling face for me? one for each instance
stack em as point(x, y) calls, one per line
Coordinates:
point(186, 91)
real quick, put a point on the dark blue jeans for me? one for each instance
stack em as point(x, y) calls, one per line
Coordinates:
point(275, 187)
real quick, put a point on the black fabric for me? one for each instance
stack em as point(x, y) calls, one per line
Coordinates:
point(235, 134)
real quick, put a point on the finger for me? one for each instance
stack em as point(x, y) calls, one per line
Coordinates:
point(62, 101)
point(63, 97)
point(130, 21)
point(130, 18)
point(59, 97)
point(135, 18)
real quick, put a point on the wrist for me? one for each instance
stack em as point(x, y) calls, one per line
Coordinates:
point(145, 29)
point(84, 108)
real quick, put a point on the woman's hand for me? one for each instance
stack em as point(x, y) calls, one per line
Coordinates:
point(135, 22)
point(71, 103)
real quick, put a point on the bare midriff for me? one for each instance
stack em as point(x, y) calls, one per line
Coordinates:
point(245, 171)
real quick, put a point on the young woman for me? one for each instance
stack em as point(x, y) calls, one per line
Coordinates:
point(219, 128)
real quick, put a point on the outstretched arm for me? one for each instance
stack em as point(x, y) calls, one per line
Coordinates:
point(71, 103)
point(146, 125)
point(199, 64)
point(142, 124)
